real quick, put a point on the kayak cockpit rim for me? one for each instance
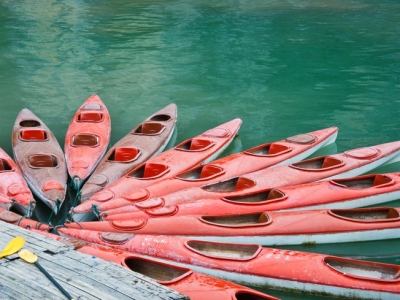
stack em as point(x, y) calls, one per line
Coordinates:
point(230, 185)
point(201, 173)
point(238, 221)
point(365, 181)
point(195, 145)
point(124, 154)
point(149, 128)
point(269, 149)
point(367, 215)
point(321, 163)
point(149, 170)
point(162, 272)
point(258, 198)
point(364, 270)
point(239, 252)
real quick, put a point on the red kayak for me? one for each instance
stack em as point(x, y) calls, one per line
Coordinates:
point(40, 158)
point(201, 149)
point(283, 152)
point(254, 265)
point(14, 187)
point(87, 139)
point(358, 191)
point(184, 280)
point(348, 163)
point(267, 228)
point(22, 221)
point(146, 140)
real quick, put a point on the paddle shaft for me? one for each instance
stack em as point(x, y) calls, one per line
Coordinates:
point(53, 281)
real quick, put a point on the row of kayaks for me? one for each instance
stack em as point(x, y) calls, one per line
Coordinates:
point(173, 213)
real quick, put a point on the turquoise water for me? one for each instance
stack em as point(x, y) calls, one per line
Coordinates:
point(284, 67)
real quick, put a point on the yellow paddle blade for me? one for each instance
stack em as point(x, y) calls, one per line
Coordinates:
point(28, 256)
point(13, 246)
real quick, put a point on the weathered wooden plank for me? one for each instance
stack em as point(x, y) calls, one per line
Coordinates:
point(83, 276)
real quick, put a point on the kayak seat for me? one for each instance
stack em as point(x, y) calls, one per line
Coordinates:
point(393, 213)
point(90, 117)
point(330, 162)
point(85, 140)
point(4, 166)
point(149, 128)
point(161, 118)
point(244, 183)
point(197, 144)
point(124, 154)
point(33, 135)
point(153, 170)
point(275, 194)
point(381, 180)
point(209, 171)
point(276, 149)
point(42, 161)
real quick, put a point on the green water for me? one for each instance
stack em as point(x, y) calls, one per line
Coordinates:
point(284, 67)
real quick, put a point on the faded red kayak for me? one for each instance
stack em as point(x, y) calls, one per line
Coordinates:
point(40, 158)
point(283, 152)
point(22, 221)
point(257, 266)
point(87, 139)
point(14, 187)
point(358, 191)
point(201, 149)
point(146, 140)
point(267, 228)
point(184, 280)
point(346, 164)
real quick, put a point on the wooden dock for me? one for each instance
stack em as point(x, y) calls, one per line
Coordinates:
point(84, 277)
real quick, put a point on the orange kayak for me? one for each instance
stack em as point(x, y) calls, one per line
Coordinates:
point(352, 192)
point(283, 152)
point(40, 158)
point(146, 140)
point(201, 149)
point(87, 139)
point(267, 228)
point(346, 164)
point(14, 187)
point(254, 265)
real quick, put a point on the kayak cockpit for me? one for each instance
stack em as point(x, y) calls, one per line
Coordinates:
point(230, 185)
point(42, 161)
point(163, 273)
point(4, 165)
point(264, 197)
point(270, 149)
point(90, 140)
point(124, 154)
point(238, 221)
point(32, 135)
point(149, 171)
point(29, 123)
point(195, 145)
point(240, 252)
point(318, 164)
point(149, 128)
point(367, 215)
point(161, 118)
point(91, 117)
point(201, 173)
point(364, 270)
point(364, 182)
